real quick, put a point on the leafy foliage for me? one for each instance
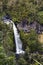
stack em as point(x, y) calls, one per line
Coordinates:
point(6, 45)
point(19, 10)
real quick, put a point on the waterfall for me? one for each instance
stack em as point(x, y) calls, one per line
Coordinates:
point(18, 42)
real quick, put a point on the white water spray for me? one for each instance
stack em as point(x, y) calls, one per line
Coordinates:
point(18, 42)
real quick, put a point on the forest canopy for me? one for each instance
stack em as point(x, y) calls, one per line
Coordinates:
point(21, 10)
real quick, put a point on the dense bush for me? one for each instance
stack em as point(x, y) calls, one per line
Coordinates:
point(30, 41)
point(6, 45)
point(33, 48)
point(19, 10)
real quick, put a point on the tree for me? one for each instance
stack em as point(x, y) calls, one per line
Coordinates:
point(4, 5)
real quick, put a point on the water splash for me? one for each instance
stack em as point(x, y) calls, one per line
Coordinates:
point(18, 42)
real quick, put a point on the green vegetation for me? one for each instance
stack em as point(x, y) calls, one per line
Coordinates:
point(19, 10)
point(30, 42)
point(6, 45)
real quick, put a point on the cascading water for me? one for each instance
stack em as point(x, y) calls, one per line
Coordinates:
point(17, 41)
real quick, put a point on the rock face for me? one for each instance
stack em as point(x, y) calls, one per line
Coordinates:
point(23, 26)
point(26, 28)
